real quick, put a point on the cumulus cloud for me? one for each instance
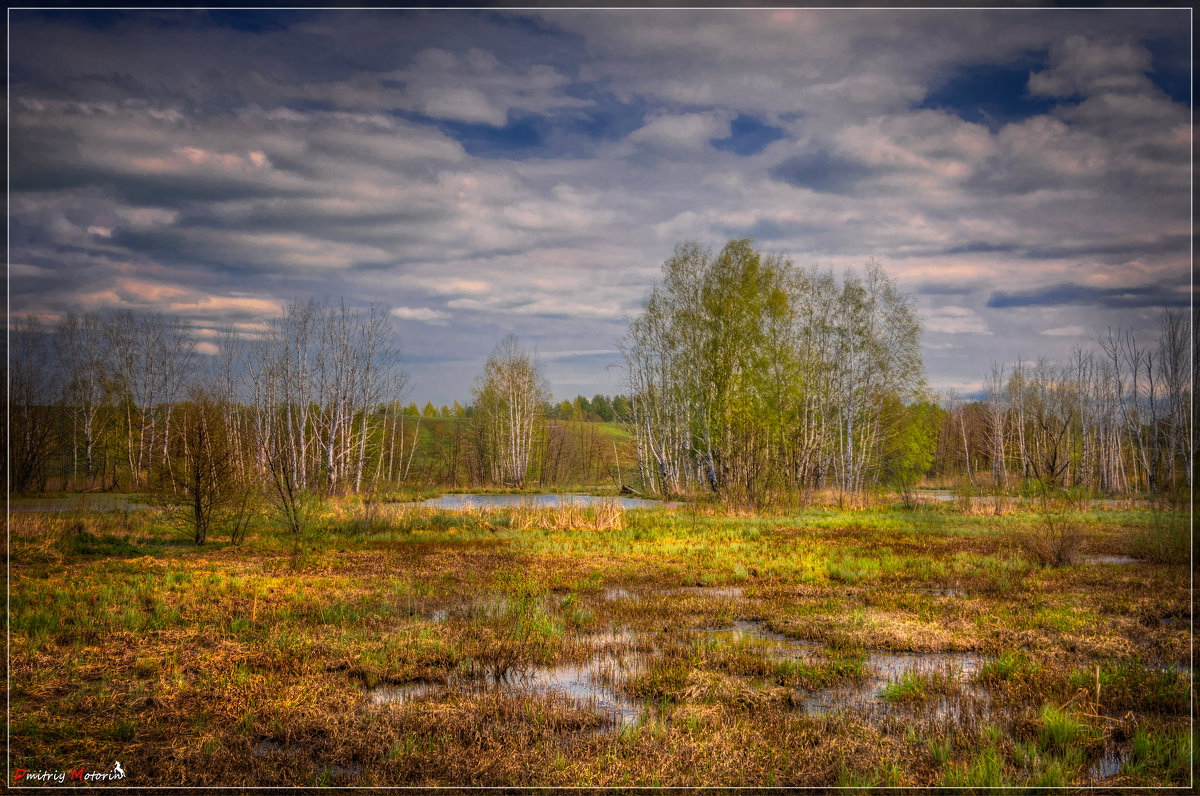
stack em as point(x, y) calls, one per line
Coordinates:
point(1085, 66)
point(687, 131)
point(1068, 331)
point(219, 173)
point(423, 314)
point(954, 320)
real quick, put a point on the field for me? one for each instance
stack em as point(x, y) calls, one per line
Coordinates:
point(598, 646)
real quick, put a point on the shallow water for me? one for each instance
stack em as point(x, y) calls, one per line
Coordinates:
point(1110, 764)
point(753, 634)
point(585, 684)
point(614, 593)
point(390, 694)
point(272, 748)
point(460, 502)
point(91, 501)
point(616, 656)
point(883, 668)
point(1109, 560)
point(948, 591)
point(715, 592)
point(588, 684)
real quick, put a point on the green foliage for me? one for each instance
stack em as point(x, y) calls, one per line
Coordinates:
point(1007, 666)
point(1167, 752)
point(985, 770)
point(1061, 731)
point(755, 380)
point(939, 750)
point(1129, 685)
point(912, 443)
point(909, 688)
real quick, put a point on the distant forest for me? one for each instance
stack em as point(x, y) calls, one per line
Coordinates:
point(599, 409)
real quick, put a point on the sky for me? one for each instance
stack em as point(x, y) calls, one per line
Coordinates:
point(1024, 174)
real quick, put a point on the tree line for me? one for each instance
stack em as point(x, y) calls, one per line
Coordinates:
point(599, 409)
point(747, 377)
point(308, 404)
point(1113, 418)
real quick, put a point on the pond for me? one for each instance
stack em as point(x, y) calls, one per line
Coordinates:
point(86, 501)
point(458, 502)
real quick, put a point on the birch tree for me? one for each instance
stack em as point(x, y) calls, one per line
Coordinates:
point(510, 395)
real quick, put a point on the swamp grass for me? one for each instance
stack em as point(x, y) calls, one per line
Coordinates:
point(815, 647)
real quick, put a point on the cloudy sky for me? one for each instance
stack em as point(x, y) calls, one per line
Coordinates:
point(1024, 174)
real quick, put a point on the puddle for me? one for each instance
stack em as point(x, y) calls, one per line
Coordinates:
point(718, 592)
point(587, 684)
point(462, 502)
point(1109, 560)
point(942, 592)
point(893, 666)
point(883, 668)
point(1110, 764)
point(99, 501)
point(392, 694)
point(753, 634)
point(612, 657)
point(268, 747)
point(614, 593)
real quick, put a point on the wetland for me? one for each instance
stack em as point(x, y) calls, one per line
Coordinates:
point(573, 643)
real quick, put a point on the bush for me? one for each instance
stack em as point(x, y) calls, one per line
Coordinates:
point(1059, 536)
point(198, 484)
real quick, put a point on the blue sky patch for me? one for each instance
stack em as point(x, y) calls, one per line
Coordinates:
point(572, 134)
point(1171, 67)
point(991, 94)
point(748, 136)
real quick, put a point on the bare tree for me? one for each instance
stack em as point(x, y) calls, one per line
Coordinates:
point(206, 488)
point(509, 396)
point(30, 415)
point(82, 354)
point(996, 416)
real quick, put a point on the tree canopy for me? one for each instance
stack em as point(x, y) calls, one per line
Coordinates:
point(749, 375)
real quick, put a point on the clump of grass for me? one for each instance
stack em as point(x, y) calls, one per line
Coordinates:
point(1008, 666)
point(1059, 535)
point(1162, 753)
point(985, 770)
point(661, 681)
point(940, 750)
point(1128, 685)
point(910, 688)
point(707, 686)
point(1061, 731)
point(1053, 773)
point(569, 515)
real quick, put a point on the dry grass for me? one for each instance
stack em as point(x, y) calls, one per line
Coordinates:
point(252, 665)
